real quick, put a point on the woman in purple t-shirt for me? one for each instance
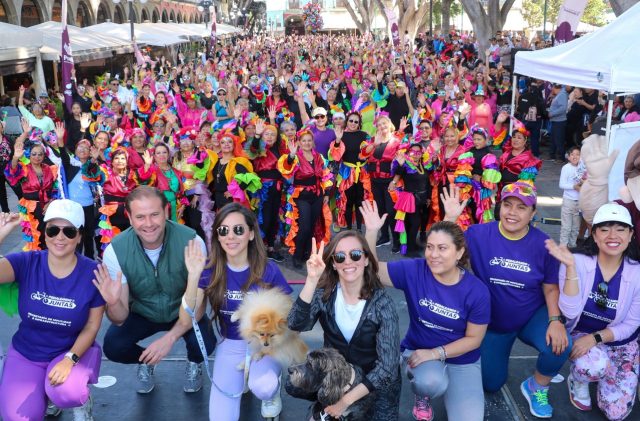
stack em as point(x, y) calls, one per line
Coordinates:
point(448, 317)
point(240, 264)
point(53, 355)
point(600, 297)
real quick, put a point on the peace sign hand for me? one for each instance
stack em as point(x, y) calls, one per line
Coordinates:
point(315, 264)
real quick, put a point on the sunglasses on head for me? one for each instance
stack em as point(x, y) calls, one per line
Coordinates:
point(603, 295)
point(320, 117)
point(223, 230)
point(52, 231)
point(354, 255)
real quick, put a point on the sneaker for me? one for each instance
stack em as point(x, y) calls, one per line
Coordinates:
point(192, 377)
point(275, 256)
point(422, 410)
point(383, 242)
point(395, 249)
point(52, 410)
point(145, 379)
point(579, 394)
point(83, 413)
point(271, 408)
point(538, 400)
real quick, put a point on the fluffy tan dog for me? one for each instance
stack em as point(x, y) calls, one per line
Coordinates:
point(263, 324)
point(595, 190)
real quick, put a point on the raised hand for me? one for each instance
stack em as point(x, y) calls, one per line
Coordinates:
point(315, 264)
point(260, 127)
point(453, 207)
point(403, 124)
point(464, 110)
point(339, 131)
point(8, 221)
point(560, 252)
point(400, 157)
point(26, 127)
point(370, 216)
point(194, 258)
point(18, 151)
point(21, 90)
point(91, 91)
point(110, 289)
point(272, 112)
point(293, 147)
point(148, 159)
point(502, 117)
point(60, 131)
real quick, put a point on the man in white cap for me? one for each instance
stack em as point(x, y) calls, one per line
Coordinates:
point(322, 135)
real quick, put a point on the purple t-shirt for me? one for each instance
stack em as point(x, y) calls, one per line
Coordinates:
point(323, 139)
point(438, 314)
point(234, 294)
point(514, 272)
point(53, 311)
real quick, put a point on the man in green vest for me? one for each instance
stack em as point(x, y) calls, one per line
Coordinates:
point(143, 278)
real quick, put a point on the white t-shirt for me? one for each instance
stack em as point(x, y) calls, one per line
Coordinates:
point(110, 260)
point(347, 315)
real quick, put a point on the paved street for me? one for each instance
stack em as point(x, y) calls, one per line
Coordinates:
point(168, 402)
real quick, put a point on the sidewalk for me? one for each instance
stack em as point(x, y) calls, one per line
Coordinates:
point(169, 402)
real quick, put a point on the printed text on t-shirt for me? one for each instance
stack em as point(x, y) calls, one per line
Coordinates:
point(510, 264)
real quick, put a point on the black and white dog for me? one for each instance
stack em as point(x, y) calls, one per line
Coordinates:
point(324, 378)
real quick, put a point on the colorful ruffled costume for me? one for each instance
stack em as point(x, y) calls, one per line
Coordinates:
point(36, 194)
point(168, 182)
point(301, 169)
point(242, 182)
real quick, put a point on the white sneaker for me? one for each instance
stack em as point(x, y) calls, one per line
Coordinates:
point(145, 379)
point(83, 413)
point(271, 408)
point(52, 410)
point(192, 377)
point(579, 394)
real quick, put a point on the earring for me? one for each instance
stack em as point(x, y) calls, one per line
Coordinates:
point(334, 267)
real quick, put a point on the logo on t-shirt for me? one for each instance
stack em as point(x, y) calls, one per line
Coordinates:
point(50, 300)
point(612, 304)
point(440, 309)
point(510, 264)
point(234, 295)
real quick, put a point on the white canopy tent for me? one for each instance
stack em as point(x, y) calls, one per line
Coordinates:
point(123, 32)
point(606, 59)
point(85, 45)
point(20, 51)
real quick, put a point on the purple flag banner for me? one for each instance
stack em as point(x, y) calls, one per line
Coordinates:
point(212, 39)
point(66, 61)
point(568, 18)
point(393, 23)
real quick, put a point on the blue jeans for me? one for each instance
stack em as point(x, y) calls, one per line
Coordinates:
point(496, 348)
point(558, 129)
point(534, 138)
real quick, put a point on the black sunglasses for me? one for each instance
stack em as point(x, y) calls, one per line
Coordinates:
point(354, 121)
point(354, 255)
point(223, 230)
point(603, 295)
point(52, 231)
point(320, 117)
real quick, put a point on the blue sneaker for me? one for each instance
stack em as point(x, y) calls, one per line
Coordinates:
point(538, 400)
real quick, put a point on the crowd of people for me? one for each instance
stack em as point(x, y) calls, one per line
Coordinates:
point(180, 185)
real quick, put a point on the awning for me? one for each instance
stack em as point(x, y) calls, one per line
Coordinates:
point(86, 45)
point(143, 34)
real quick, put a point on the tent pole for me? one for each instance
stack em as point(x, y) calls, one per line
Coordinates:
point(38, 74)
point(56, 85)
point(609, 117)
point(514, 87)
point(1, 85)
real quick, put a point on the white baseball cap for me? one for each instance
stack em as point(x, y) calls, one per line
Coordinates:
point(318, 111)
point(65, 209)
point(612, 212)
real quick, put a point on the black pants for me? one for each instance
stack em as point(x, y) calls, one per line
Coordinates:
point(4, 200)
point(355, 196)
point(383, 199)
point(309, 210)
point(271, 214)
point(412, 226)
point(193, 218)
point(121, 342)
point(88, 231)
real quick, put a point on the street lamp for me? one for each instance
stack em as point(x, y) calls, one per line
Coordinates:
point(208, 6)
point(131, 13)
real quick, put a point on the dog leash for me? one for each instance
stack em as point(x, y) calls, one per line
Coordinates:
point(203, 351)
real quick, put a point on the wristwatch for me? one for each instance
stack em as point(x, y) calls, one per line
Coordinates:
point(559, 318)
point(73, 357)
point(597, 337)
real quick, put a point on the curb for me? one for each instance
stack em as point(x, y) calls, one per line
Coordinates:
point(512, 406)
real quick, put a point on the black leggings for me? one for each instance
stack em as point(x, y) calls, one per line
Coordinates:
point(4, 201)
point(412, 226)
point(271, 214)
point(309, 210)
point(88, 231)
point(355, 196)
point(383, 199)
point(193, 218)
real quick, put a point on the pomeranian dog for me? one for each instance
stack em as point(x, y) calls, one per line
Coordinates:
point(263, 324)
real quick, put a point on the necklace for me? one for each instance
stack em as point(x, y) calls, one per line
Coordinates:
point(505, 235)
point(221, 168)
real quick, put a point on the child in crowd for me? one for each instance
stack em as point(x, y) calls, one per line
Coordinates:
point(571, 179)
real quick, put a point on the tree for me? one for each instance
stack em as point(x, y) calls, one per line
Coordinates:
point(486, 22)
point(594, 13)
point(362, 12)
point(532, 13)
point(620, 6)
point(411, 13)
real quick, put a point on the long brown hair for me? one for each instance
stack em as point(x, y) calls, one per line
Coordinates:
point(329, 279)
point(256, 255)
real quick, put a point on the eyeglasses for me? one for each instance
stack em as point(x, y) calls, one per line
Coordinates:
point(354, 255)
point(320, 117)
point(223, 230)
point(52, 231)
point(221, 94)
point(602, 298)
point(354, 121)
